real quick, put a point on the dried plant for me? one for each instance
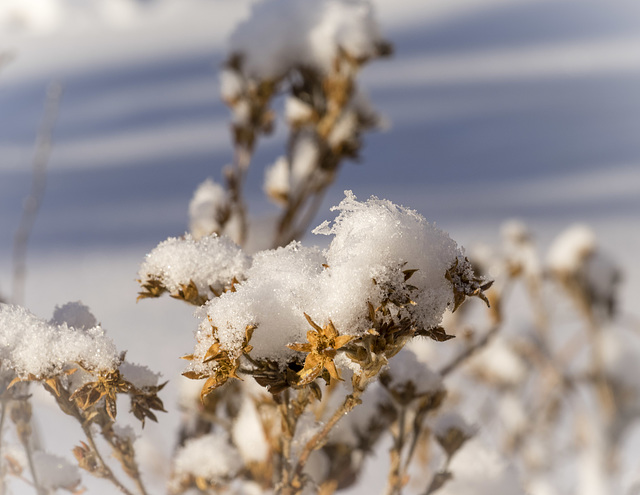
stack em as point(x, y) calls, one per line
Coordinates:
point(308, 361)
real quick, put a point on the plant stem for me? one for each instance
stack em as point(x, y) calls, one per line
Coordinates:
point(106, 470)
point(38, 186)
point(469, 351)
point(396, 472)
point(316, 441)
point(32, 467)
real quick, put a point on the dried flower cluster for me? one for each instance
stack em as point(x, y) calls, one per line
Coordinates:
point(81, 369)
point(314, 58)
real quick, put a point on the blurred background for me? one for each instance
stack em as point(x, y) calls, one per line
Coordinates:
point(495, 109)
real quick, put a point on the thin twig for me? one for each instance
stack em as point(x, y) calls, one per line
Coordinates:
point(469, 351)
point(32, 467)
point(349, 403)
point(396, 472)
point(108, 474)
point(38, 185)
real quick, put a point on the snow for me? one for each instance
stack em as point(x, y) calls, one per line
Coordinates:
point(231, 85)
point(496, 106)
point(344, 130)
point(282, 34)
point(405, 368)
point(205, 208)
point(372, 242)
point(377, 239)
point(575, 257)
point(480, 471)
point(276, 180)
point(274, 297)
point(520, 249)
point(571, 249)
point(55, 472)
point(210, 456)
point(209, 262)
point(31, 346)
point(296, 111)
point(498, 361)
point(452, 421)
point(248, 434)
point(305, 161)
point(138, 375)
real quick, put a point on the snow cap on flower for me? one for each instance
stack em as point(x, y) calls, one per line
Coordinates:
point(208, 264)
point(32, 346)
point(290, 293)
point(207, 209)
point(281, 34)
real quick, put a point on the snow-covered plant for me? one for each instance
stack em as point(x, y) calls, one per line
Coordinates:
point(557, 384)
point(73, 359)
point(313, 328)
point(306, 361)
point(312, 51)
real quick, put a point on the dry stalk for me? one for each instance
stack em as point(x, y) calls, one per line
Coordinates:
point(397, 475)
point(468, 352)
point(351, 401)
point(38, 185)
point(21, 417)
point(104, 468)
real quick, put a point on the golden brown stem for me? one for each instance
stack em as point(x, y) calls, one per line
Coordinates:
point(105, 469)
point(351, 401)
point(396, 472)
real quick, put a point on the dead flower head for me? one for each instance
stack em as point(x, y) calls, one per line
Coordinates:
point(321, 350)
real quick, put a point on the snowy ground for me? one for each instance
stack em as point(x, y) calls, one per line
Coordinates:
point(497, 109)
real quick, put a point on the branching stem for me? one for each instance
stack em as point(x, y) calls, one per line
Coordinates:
point(104, 467)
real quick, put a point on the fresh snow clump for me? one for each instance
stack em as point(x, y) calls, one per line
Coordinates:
point(55, 472)
point(377, 240)
point(281, 34)
point(205, 209)
point(374, 241)
point(210, 456)
point(575, 259)
point(138, 375)
point(210, 262)
point(278, 288)
point(31, 346)
point(405, 369)
point(571, 248)
point(452, 421)
point(276, 180)
point(297, 111)
point(248, 434)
